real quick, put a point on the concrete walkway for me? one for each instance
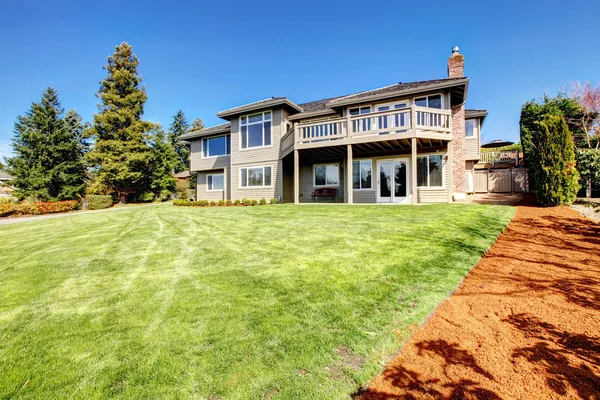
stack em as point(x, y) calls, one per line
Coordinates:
point(16, 220)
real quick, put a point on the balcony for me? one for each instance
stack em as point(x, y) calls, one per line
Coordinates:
point(494, 158)
point(402, 123)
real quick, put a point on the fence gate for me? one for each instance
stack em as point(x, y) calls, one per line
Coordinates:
point(506, 180)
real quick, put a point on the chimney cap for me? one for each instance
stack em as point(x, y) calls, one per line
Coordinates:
point(455, 50)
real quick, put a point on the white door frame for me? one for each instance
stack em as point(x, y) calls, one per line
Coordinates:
point(393, 198)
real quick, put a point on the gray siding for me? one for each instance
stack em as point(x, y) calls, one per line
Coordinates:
point(472, 145)
point(197, 163)
point(268, 193)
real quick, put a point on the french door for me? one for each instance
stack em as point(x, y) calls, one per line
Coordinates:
point(392, 181)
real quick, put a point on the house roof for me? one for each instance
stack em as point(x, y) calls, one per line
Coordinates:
point(471, 113)
point(222, 128)
point(5, 177)
point(182, 175)
point(270, 102)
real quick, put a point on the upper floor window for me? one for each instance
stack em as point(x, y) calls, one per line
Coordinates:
point(256, 130)
point(429, 170)
point(359, 110)
point(431, 101)
point(216, 146)
point(470, 128)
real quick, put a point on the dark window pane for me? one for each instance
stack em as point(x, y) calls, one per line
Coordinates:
point(365, 174)
point(385, 180)
point(267, 132)
point(400, 175)
point(435, 101)
point(267, 176)
point(243, 120)
point(217, 182)
point(469, 128)
point(205, 148)
point(228, 144)
point(267, 116)
point(365, 110)
point(255, 135)
point(217, 146)
point(255, 176)
point(244, 173)
point(244, 137)
point(255, 118)
point(383, 108)
point(332, 175)
point(356, 174)
point(435, 170)
point(421, 102)
point(320, 175)
point(421, 171)
point(209, 182)
point(354, 111)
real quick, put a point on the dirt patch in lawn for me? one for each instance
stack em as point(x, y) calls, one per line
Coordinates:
point(524, 324)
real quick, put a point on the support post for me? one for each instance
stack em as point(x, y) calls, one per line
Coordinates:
point(296, 177)
point(349, 178)
point(413, 169)
point(450, 184)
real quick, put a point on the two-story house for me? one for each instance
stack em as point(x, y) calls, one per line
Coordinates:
point(409, 142)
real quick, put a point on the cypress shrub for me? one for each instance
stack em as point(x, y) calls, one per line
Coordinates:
point(98, 201)
point(556, 178)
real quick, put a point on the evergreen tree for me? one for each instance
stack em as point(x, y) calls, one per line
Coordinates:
point(121, 152)
point(178, 127)
point(49, 151)
point(556, 178)
point(197, 125)
point(164, 161)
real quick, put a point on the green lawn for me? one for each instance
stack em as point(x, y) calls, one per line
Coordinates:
point(294, 302)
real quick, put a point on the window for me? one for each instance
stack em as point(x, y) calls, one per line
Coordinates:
point(429, 171)
point(359, 110)
point(327, 175)
point(216, 146)
point(256, 130)
point(470, 126)
point(432, 101)
point(361, 174)
point(215, 182)
point(255, 176)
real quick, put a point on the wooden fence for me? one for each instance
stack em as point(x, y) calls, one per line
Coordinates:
point(506, 180)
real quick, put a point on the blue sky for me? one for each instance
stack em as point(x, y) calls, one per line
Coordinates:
point(208, 56)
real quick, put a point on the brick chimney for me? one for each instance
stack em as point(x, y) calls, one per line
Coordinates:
point(456, 64)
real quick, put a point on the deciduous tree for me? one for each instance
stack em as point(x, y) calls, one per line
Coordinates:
point(588, 97)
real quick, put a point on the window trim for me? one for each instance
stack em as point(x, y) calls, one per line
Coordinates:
point(427, 96)
point(443, 155)
point(204, 156)
point(212, 175)
point(255, 123)
point(255, 187)
point(359, 160)
point(475, 128)
point(326, 165)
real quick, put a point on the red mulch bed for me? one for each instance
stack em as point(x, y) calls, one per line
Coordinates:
point(524, 324)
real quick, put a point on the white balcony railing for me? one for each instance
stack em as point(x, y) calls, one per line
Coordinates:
point(377, 123)
point(499, 157)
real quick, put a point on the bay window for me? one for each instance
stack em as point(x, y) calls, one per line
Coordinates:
point(256, 176)
point(216, 146)
point(255, 130)
point(361, 174)
point(326, 175)
point(429, 170)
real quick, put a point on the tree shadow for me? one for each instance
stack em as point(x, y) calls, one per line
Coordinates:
point(558, 352)
point(413, 386)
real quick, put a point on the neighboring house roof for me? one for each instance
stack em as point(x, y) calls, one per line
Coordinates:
point(182, 175)
point(497, 143)
point(222, 128)
point(5, 177)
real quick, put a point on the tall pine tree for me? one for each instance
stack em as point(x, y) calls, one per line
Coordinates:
point(164, 161)
point(49, 152)
point(121, 152)
point(178, 127)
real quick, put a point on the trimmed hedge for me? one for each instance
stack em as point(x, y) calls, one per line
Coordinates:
point(222, 203)
point(39, 208)
point(98, 201)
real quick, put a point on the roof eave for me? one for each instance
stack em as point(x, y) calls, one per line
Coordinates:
point(199, 134)
point(227, 114)
point(311, 114)
point(436, 86)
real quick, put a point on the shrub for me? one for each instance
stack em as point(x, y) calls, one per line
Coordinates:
point(221, 203)
point(98, 201)
point(182, 203)
point(246, 202)
point(262, 201)
point(202, 203)
point(556, 179)
point(212, 203)
point(237, 202)
point(273, 200)
point(39, 208)
point(7, 209)
point(588, 165)
point(254, 203)
point(146, 197)
point(228, 203)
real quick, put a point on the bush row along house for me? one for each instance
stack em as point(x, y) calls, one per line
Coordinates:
point(408, 143)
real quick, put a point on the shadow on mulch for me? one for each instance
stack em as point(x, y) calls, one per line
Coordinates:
point(531, 306)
